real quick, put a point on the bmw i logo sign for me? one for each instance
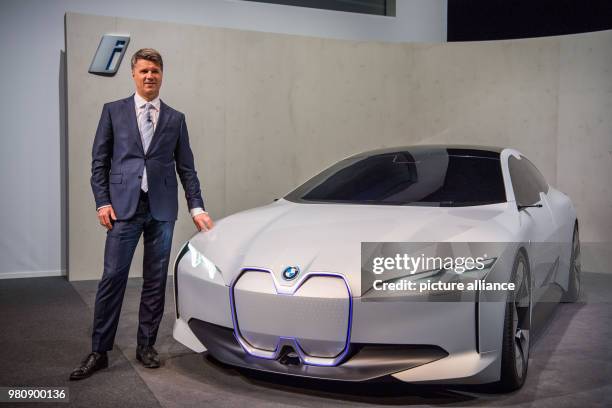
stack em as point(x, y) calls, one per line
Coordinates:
point(291, 272)
point(109, 54)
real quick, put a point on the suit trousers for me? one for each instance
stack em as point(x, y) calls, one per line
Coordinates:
point(121, 243)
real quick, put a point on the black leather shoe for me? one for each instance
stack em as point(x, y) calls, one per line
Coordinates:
point(92, 363)
point(147, 355)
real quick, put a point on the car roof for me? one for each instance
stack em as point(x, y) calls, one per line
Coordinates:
point(489, 152)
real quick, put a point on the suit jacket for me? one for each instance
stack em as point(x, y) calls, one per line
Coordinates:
point(118, 161)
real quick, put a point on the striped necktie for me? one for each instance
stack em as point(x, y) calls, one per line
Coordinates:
point(145, 124)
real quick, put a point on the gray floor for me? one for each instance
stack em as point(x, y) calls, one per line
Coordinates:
point(44, 334)
point(46, 324)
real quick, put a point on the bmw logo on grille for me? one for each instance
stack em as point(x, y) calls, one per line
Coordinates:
point(291, 272)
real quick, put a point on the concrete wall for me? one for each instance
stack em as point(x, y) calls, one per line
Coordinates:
point(31, 151)
point(266, 111)
point(584, 142)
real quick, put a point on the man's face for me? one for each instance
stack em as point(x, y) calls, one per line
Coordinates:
point(148, 78)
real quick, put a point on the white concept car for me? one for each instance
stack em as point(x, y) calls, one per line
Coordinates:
point(282, 288)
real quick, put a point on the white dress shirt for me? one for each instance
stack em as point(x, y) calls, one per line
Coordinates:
point(139, 104)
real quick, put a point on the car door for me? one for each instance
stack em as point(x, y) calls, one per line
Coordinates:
point(530, 189)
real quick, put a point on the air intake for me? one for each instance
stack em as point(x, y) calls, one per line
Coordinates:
point(288, 356)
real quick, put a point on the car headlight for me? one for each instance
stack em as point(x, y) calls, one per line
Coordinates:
point(458, 271)
point(200, 262)
point(479, 272)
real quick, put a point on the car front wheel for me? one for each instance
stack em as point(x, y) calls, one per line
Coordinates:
point(517, 325)
point(573, 287)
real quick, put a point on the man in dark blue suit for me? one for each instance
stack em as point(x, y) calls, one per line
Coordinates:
point(140, 145)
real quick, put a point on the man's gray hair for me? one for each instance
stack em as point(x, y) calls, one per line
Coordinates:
point(148, 54)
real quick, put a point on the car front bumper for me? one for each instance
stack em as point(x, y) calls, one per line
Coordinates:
point(418, 342)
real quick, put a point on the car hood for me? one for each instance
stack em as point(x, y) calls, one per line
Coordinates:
point(328, 237)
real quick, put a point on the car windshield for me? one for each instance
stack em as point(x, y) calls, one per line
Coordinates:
point(439, 177)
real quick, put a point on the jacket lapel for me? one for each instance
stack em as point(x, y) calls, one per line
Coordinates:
point(130, 111)
point(162, 121)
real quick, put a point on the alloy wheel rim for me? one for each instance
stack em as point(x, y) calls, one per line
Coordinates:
point(521, 321)
point(576, 261)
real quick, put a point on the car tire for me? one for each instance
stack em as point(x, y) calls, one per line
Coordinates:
point(573, 286)
point(517, 324)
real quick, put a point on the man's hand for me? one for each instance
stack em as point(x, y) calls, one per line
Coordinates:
point(105, 214)
point(203, 222)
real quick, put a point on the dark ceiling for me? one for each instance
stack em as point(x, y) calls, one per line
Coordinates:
point(480, 20)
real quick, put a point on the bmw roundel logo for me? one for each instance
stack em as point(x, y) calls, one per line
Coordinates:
point(291, 272)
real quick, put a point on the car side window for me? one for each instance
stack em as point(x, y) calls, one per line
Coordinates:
point(526, 187)
point(535, 173)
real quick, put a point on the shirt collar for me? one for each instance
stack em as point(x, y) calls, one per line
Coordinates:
point(139, 101)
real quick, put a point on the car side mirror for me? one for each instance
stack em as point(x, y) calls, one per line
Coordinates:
point(522, 207)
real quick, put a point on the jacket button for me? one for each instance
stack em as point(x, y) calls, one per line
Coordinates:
point(139, 177)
